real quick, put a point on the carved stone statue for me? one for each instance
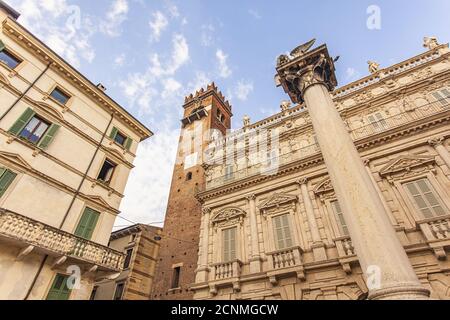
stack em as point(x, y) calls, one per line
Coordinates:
point(297, 52)
point(373, 66)
point(285, 105)
point(430, 42)
point(246, 121)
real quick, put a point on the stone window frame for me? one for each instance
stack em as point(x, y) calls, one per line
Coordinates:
point(220, 225)
point(48, 96)
point(337, 234)
point(442, 196)
point(15, 54)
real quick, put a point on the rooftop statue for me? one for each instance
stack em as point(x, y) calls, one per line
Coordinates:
point(430, 42)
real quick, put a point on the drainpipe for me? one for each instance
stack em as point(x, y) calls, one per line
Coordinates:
point(41, 266)
point(25, 92)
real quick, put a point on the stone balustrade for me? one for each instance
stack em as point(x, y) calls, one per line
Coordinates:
point(437, 233)
point(26, 231)
point(227, 270)
point(285, 258)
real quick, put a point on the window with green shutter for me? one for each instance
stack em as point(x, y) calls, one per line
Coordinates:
point(87, 223)
point(121, 139)
point(6, 178)
point(34, 129)
point(59, 289)
point(229, 244)
point(283, 237)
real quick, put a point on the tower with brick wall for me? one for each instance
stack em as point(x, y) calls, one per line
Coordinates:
point(177, 261)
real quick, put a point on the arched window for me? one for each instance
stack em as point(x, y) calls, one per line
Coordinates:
point(189, 176)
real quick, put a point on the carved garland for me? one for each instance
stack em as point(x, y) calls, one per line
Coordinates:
point(278, 202)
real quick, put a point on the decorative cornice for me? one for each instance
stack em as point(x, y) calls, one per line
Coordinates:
point(406, 163)
point(278, 199)
point(438, 141)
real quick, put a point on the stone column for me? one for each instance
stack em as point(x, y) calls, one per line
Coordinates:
point(438, 145)
point(202, 271)
point(318, 246)
point(309, 77)
point(255, 259)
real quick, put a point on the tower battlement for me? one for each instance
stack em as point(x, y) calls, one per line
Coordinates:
point(211, 89)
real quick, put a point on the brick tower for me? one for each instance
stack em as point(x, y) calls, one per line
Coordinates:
point(177, 261)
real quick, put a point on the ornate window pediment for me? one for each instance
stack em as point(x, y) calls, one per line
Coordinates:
point(277, 199)
point(15, 159)
point(406, 164)
point(228, 217)
point(324, 186)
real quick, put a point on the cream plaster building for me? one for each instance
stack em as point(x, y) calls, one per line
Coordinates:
point(285, 235)
point(66, 151)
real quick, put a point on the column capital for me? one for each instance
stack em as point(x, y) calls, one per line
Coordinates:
point(302, 181)
point(250, 197)
point(302, 69)
point(206, 210)
point(436, 141)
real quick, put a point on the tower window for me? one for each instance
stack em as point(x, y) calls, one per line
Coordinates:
point(176, 277)
point(220, 116)
point(189, 176)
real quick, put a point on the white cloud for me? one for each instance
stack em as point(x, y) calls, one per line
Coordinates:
point(158, 24)
point(224, 69)
point(207, 35)
point(148, 187)
point(115, 16)
point(243, 89)
point(351, 74)
point(119, 61)
point(201, 80)
point(255, 14)
point(60, 25)
point(173, 10)
point(171, 88)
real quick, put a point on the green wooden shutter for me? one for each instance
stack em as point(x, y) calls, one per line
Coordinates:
point(87, 223)
point(6, 178)
point(128, 143)
point(2, 46)
point(59, 289)
point(113, 132)
point(22, 121)
point(49, 136)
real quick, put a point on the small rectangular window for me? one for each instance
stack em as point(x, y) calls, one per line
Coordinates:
point(377, 120)
point(425, 198)
point(106, 171)
point(342, 225)
point(59, 289)
point(229, 172)
point(128, 256)
point(9, 59)
point(118, 294)
point(176, 277)
point(282, 231)
point(229, 244)
point(120, 138)
point(60, 96)
point(34, 130)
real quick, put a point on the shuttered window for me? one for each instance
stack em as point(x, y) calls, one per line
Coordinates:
point(425, 198)
point(442, 96)
point(282, 231)
point(6, 178)
point(120, 138)
point(377, 121)
point(342, 225)
point(87, 223)
point(229, 244)
point(59, 289)
point(34, 129)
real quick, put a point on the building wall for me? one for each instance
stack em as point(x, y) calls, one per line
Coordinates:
point(410, 141)
point(139, 276)
point(179, 240)
point(47, 180)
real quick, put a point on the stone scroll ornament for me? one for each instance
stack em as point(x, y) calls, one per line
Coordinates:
point(300, 70)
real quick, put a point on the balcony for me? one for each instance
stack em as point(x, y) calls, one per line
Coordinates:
point(285, 261)
point(434, 109)
point(224, 274)
point(36, 236)
point(346, 253)
point(437, 233)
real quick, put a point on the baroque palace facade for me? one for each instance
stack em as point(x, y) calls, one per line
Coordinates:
point(284, 235)
point(66, 151)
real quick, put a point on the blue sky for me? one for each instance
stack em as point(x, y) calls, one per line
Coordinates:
point(150, 54)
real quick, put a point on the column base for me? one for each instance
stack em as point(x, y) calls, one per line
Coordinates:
point(400, 292)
